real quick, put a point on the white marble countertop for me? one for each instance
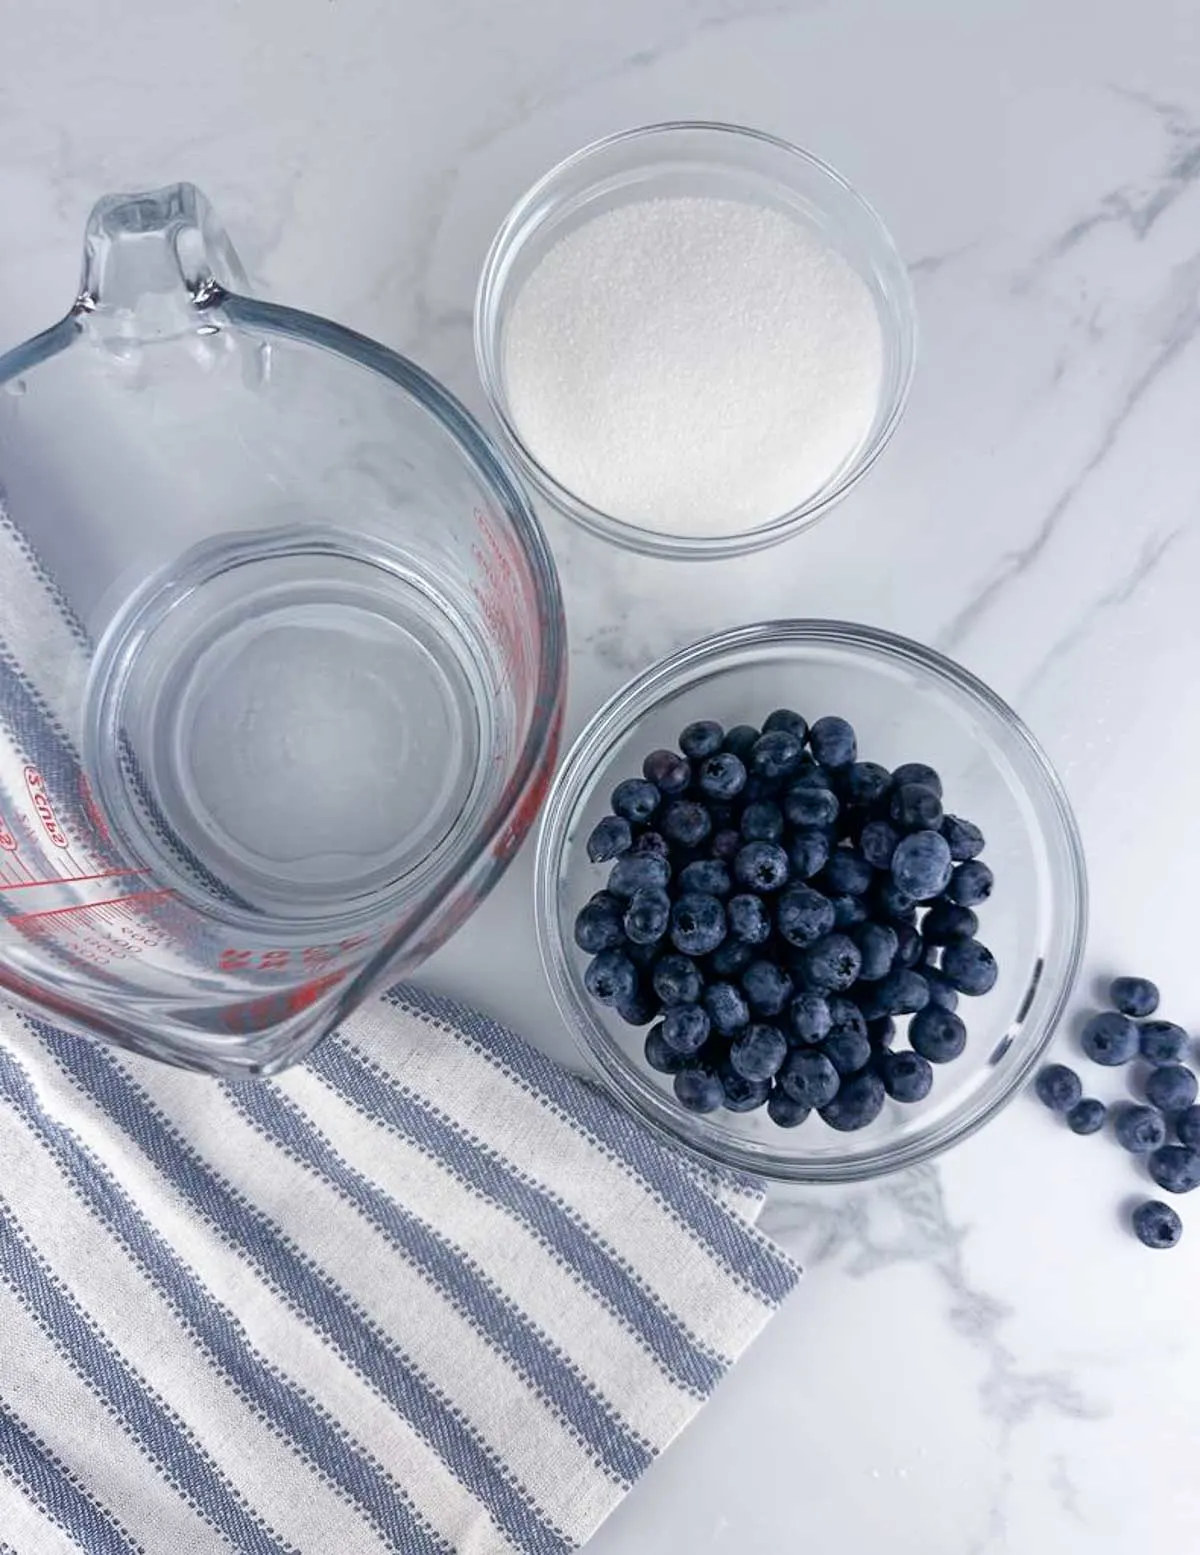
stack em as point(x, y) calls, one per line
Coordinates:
point(981, 1359)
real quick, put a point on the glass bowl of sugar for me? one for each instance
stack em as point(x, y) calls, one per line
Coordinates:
point(696, 338)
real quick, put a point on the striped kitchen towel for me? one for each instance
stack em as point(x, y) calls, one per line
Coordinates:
point(426, 1293)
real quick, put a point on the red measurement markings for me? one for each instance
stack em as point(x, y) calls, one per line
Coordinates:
point(308, 957)
point(110, 901)
point(36, 784)
point(103, 874)
point(94, 812)
point(7, 841)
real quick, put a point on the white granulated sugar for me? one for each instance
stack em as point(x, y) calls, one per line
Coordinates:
point(693, 365)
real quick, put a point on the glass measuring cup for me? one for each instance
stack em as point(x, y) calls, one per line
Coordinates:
point(281, 657)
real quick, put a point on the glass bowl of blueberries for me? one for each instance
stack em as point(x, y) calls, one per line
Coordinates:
point(812, 900)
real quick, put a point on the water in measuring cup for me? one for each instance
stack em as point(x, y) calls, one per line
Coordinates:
point(294, 727)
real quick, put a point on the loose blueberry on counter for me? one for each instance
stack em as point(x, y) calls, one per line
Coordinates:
point(964, 837)
point(635, 800)
point(722, 776)
point(767, 987)
point(878, 843)
point(611, 977)
point(971, 883)
point(668, 771)
point(921, 865)
point(938, 1034)
point(808, 853)
point(647, 916)
point(781, 1109)
point(916, 808)
point(741, 740)
point(1134, 996)
point(707, 875)
point(748, 918)
point(701, 739)
point(1087, 1116)
point(1161, 1041)
point(809, 1018)
point(847, 1049)
point(775, 754)
point(685, 823)
point(758, 1052)
point(699, 1090)
point(1175, 1168)
point(677, 980)
point(833, 742)
point(859, 1101)
point(742, 1095)
point(791, 723)
point(865, 783)
point(727, 1008)
point(1108, 1038)
point(1171, 1088)
point(906, 1076)
point(846, 874)
point(946, 921)
point(731, 958)
point(877, 945)
point(1140, 1129)
point(809, 805)
point(941, 990)
point(762, 822)
point(610, 837)
point(640, 1008)
point(970, 967)
point(697, 923)
point(1156, 1224)
point(1058, 1087)
point(803, 915)
point(917, 772)
point(1187, 1127)
point(809, 1078)
point(634, 872)
point(598, 924)
point(685, 1028)
point(660, 1056)
point(762, 866)
point(831, 965)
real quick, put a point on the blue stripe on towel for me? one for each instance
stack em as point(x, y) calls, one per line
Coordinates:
point(48, 1484)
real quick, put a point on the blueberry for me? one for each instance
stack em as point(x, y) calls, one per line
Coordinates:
point(845, 1016)
point(781, 1109)
point(647, 916)
point(916, 808)
point(758, 1052)
point(1140, 1129)
point(1156, 1224)
point(697, 924)
point(762, 822)
point(651, 844)
point(1175, 1168)
point(882, 1031)
point(707, 875)
point(906, 1076)
point(610, 837)
point(767, 987)
point(921, 865)
point(891, 902)
point(942, 992)
point(611, 977)
point(917, 772)
point(762, 866)
point(803, 915)
point(832, 964)
point(899, 993)
point(1162, 1042)
point(1171, 1088)
point(810, 805)
point(808, 853)
point(1107, 1039)
point(668, 771)
point(1187, 1127)
point(1058, 1087)
point(946, 921)
point(640, 1008)
point(1135, 996)
point(847, 1049)
point(937, 1034)
point(731, 958)
point(660, 1056)
point(971, 883)
point(1087, 1116)
point(859, 1101)
point(701, 739)
point(642, 956)
point(635, 800)
point(970, 967)
point(634, 872)
point(722, 776)
point(878, 843)
point(686, 823)
point(809, 1018)
point(832, 742)
point(741, 1094)
point(964, 837)
point(699, 1090)
point(791, 723)
point(846, 874)
point(865, 783)
point(775, 755)
point(677, 980)
point(877, 944)
point(848, 911)
point(741, 740)
point(726, 844)
point(598, 925)
point(727, 1008)
point(808, 1077)
point(749, 919)
point(909, 947)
